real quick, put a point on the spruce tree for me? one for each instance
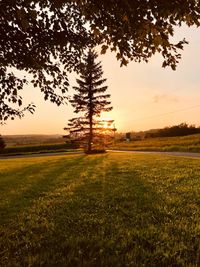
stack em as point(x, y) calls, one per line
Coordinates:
point(89, 100)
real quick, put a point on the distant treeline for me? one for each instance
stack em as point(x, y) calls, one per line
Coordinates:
point(177, 130)
point(37, 149)
point(29, 140)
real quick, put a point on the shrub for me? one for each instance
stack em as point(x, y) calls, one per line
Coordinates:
point(2, 143)
point(95, 151)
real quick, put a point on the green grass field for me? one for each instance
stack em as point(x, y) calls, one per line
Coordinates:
point(190, 143)
point(100, 210)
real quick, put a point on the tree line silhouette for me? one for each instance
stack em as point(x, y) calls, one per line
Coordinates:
point(2, 143)
point(176, 130)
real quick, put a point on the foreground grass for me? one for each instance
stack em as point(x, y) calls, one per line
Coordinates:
point(190, 143)
point(100, 210)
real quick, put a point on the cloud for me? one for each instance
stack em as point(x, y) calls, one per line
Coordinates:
point(164, 97)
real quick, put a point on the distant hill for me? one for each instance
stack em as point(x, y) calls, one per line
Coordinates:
point(36, 139)
point(182, 129)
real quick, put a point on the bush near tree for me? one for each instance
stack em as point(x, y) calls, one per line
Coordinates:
point(2, 143)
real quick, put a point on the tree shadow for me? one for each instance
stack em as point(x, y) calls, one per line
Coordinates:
point(31, 183)
point(107, 216)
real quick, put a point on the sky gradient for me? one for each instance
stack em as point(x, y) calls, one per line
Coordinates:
point(143, 95)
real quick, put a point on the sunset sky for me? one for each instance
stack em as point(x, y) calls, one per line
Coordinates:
point(144, 95)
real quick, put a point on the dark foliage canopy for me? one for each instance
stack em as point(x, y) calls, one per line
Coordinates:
point(47, 39)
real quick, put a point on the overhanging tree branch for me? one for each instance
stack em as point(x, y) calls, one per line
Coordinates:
point(43, 37)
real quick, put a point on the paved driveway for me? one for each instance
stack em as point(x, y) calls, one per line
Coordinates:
point(178, 154)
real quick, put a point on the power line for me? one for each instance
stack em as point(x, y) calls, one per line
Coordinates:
point(171, 112)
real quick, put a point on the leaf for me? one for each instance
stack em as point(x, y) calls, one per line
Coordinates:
point(19, 102)
point(125, 18)
point(125, 62)
point(173, 66)
point(104, 49)
point(119, 56)
point(95, 31)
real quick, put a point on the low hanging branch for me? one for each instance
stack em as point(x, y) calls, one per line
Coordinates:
point(47, 39)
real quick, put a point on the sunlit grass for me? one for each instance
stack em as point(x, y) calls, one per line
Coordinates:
point(100, 210)
point(183, 143)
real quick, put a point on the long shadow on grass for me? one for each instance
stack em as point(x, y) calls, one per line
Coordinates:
point(110, 216)
point(116, 218)
point(104, 221)
point(33, 236)
point(31, 183)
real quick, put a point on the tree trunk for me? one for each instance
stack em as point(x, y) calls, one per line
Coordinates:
point(90, 94)
point(90, 138)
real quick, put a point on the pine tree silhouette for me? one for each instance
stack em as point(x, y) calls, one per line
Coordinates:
point(90, 100)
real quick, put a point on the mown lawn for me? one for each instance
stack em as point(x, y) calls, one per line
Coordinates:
point(100, 210)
